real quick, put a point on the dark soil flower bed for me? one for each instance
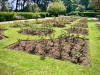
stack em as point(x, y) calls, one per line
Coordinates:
point(77, 30)
point(38, 31)
point(82, 25)
point(73, 49)
point(55, 23)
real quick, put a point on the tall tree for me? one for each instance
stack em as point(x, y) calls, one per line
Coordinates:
point(43, 4)
point(20, 4)
point(57, 0)
point(4, 8)
point(84, 3)
point(31, 7)
point(96, 4)
point(0, 4)
point(68, 4)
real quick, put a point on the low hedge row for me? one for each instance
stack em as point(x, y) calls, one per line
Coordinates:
point(5, 16)
point(98, 16)
point(8, 16)
point(30, 15)
point(87, 14)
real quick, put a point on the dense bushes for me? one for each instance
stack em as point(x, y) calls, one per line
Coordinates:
point(98, 16)
point(85, 14)
point(7, 16)
point(72, 13)
point(27, 15)
point(30, 15)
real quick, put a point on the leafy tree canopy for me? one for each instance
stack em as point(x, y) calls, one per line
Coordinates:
point(56, 7)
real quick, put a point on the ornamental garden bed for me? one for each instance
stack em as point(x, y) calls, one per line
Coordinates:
point(68, 46)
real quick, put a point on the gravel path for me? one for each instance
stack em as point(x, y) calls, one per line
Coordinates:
point(95, 19)
point(5, 22)
point(98, 21)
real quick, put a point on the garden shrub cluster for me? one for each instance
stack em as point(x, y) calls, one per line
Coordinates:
point(98, 16)
point(30, 15)
point(87, 14)
point(8, 16)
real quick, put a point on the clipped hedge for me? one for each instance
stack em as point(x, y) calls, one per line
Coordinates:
point(43, 14)
point(7, 16)
point(87, 14)
point(84, 14)
point(98, 16)
point(30, 15)
point(27, 15)
point(73, 13)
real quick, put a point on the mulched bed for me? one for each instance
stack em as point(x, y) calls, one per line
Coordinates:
point(38, 31)
point(2, 34)
point(82, 25)
point(78, 31)
point(73, 49)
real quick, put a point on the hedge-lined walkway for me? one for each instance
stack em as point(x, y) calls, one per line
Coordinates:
point(5, 22)
point(97, 20)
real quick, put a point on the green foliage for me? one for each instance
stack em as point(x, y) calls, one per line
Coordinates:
point(28, 15)
point(31, 8)
point(28, 8)
point(56, 0)
point(73, 13)
point(31, 15)
point(36, 8)
point(86, 14)
point(98, 16)
point(42, 14)
point(80, 8)
point(4, 8)
point(56, 8)
point(7, 16)
point(96, 4)
point(90, 6)
point(84, 2)
point(68, 4)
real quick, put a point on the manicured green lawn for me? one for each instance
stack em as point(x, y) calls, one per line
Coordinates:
point(20, 63)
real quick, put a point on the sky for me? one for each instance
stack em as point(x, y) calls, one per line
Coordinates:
point(14, 3)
